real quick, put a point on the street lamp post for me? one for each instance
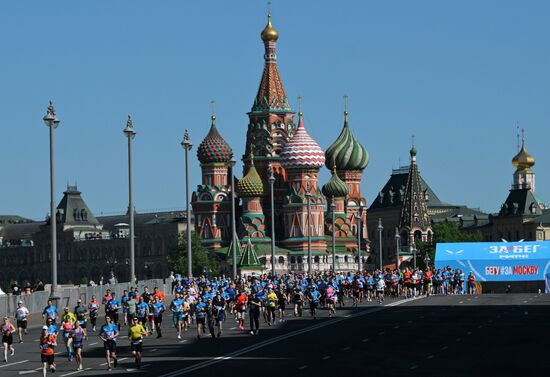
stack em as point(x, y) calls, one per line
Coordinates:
point(414, 256)
point(380, 228)
point(359, 227)
point(397, 246)
point(232, 163)
point(186, 144)
point(308, 198)
point(131, 134)
point(271, 181)
point(333, 209)
point(427, 260)
point(51, 121)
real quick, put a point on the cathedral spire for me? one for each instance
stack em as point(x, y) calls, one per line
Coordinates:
point(271, 94)
point(414, 216)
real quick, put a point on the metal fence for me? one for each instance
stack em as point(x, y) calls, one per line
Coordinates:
point(37, 301)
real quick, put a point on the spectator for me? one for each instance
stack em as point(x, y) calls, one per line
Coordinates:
point(39, 286)
point(15, 290)
point(112, 279)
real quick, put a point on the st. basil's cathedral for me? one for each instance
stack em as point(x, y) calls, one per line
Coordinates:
point(276, 145)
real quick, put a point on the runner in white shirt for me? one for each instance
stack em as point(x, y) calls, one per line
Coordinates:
point(380, 286)
point(21, 315)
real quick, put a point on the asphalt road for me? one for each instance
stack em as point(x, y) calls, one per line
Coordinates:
point(482, 335)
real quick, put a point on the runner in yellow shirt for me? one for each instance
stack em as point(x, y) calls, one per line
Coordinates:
point(272, 300)
point(136, 332)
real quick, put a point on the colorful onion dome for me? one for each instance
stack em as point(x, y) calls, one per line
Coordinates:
point(251, 185)
point(301, 151)
point(346, 152)
point(335, 187)
point(269, 34)
point(523, 160)
point(214, 149)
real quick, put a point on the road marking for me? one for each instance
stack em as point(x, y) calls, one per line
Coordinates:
point(153, 350)
point(326, 357)
point(302, 367)
point(346, 348)
point(479, 327)
point(92, 344)
point(381, 333)
point(119, 360)
point(414, 367)
point(458, 339)
point(146, 365)
point(365, 340)
point(17, 362)
point(469, 333)
point(396, 327)
point(430, 357)
point(279, 338)
point(183, 341)
point(444, 348)
point(461, 302)
point(75, 372)
point(28, 371)
point(409, 321)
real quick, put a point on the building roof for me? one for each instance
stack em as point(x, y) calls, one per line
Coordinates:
point(335, 187)
point(414, 211)
point(249, 257)
point(520, 201)
point(393, 192)
point(302, 152)
point(346, 153)
point(73, 211)
point(22, 231)
point(214, 148)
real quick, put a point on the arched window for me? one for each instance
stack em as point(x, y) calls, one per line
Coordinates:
point(281, 260)
point(316, 259)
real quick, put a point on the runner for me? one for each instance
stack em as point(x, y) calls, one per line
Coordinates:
point(176, 307)
point(158, 309)
point(313, 297)
point(380, 286)
point(112, 307)
point(281, 300)
point(93, 309)
point(241, 301)
point(81, 313)
point(7, 338)
point(67, 328)
point(200, 314)
point(136, 332)
point(271, 305)
point(50, 311)
point(254, 303)
point(108, 333)
point(329, 292)
point(21, 315)
point(298, 300)
point(471, 283)
point(142, 311)
point(219, 304)
point(47, 352)
point(79, 334)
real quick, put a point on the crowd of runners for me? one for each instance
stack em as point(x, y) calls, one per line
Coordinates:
point(203, 305)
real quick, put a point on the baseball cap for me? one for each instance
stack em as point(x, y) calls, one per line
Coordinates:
point(44, 327)
point(79, 300)
point(20, 302)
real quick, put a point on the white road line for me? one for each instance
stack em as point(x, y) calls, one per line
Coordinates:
point(75, 372)
point(302, 367)
point(414, 367)
point(365, 340)
point(183, 341)
point(119, 360)
point(279, 338)
point(479, 327)
point(28, 371)
point(396, 327)
point(346, 348)
point(444, 348)
point(92, 344)
point(430, 357)
point(17, 362)
point(461, 302)
point(326, 357)
point(153, 350)
point(381, 333)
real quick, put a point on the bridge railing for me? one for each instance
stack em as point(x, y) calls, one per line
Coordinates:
point(37, 301)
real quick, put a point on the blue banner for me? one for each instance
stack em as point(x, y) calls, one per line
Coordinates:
point(497, 261)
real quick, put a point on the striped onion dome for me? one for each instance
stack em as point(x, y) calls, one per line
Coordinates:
point(301, 151)
point(251, 185)
point(335, 187)
point(214, 148)
point(346, 152)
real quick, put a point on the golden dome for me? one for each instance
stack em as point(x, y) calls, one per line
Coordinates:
point(523, 160)
point(269, 34)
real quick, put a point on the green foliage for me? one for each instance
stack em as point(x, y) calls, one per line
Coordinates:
point(203, 261)
point(84, 280)
point(442, 233)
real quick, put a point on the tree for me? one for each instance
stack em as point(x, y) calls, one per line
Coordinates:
point(204, 262)
point(442, 233)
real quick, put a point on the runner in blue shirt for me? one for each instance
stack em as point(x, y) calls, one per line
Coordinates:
point(200, 314)
point(176, 307)
point(50, 311)
point(313, 296)
point(112, 307)
point(108, 333)
point(158, 309)
point(142, 310)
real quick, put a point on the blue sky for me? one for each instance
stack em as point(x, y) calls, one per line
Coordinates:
point(457, 75)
